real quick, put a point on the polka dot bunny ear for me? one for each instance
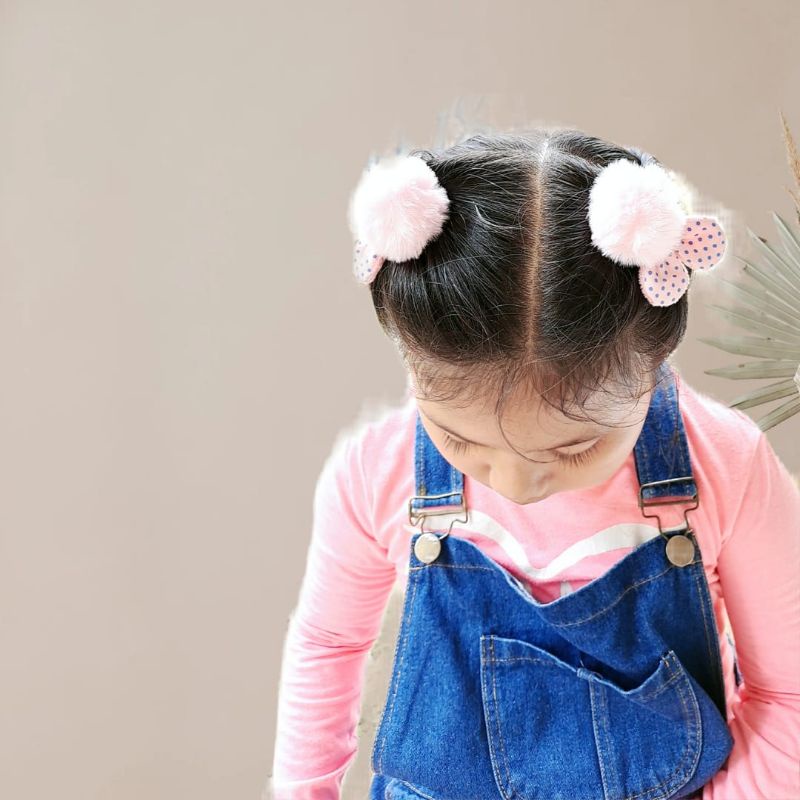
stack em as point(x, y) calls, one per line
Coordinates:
point(702, 246)
point(396, 209)
point(637, 219)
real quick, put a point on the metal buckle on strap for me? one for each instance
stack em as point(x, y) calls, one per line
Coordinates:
point(417, 515)
point(659, 502)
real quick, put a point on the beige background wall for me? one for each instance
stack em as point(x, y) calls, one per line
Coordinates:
point(181, 339)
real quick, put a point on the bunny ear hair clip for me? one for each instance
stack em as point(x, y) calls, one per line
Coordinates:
point(396, 209)
point(637, 219)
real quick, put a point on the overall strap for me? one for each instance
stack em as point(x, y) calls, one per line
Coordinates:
point(439, 485)
point(661, 453)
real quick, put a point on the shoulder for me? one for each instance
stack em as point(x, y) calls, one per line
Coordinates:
point(372, 453)
point(720, 435)
point(377, 430)
point(726, 448)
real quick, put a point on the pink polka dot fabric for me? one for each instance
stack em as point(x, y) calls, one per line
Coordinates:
point(702, 246)
point(366, 263)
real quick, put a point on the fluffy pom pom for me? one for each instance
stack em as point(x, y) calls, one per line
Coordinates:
point(635, 213)
point(398, 207)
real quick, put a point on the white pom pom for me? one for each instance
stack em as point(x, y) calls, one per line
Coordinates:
point(398, 207)
point(635, 213)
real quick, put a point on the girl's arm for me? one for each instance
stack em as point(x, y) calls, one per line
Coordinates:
point(759, 571)
point(345, 590)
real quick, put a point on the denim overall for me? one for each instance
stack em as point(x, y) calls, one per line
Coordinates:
point(612, 692)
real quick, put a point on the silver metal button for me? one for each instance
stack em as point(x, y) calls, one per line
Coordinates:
point(680, 550)
point(427, 547)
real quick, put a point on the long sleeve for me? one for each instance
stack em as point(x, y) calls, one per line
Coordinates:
point(344, 593)
point(759, 572)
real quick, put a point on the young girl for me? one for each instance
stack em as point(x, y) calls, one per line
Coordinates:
point(573, 524)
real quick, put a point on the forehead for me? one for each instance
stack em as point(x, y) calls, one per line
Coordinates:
point(531, 410)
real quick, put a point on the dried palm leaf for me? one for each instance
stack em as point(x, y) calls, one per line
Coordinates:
point(756, 369)
point(780, 414)
point(794, 161)
point(770, 308)
point(763, 347)
point(766, 394)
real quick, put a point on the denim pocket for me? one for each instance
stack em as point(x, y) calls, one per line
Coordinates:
point(557, 732)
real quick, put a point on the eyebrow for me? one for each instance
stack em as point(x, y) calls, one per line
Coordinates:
point(579, 440)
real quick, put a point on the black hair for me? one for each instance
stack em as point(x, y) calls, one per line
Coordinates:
point(513, 293)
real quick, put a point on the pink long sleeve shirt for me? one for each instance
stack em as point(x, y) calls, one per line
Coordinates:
point(747, 525)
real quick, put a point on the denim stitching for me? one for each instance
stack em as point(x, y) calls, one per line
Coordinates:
point(656, 692)
point(415, 790)
point(418, 459)
point(705, 620)
point(614, 602)
point(680, 441)
point(388, 712)
point(674, 451)
point(691, 727)
point(642, 471)
point(647, 474)
point(597, 745)
point(490, 717)
point(714, 655)
point(645, 696)
point(532, 659)
point(686, 692)
point(660, 437)
point(450, 566)
point(499, 729)
point(600, 727)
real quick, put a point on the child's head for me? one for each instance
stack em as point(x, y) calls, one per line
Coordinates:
point(511, 311)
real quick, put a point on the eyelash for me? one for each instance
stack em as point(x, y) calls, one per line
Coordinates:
point(572, 460)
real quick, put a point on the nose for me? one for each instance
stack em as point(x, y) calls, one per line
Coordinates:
point(518, 484)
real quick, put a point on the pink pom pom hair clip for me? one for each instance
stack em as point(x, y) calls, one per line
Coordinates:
point(396, 209)
point(635, 215)
point(637, 219)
